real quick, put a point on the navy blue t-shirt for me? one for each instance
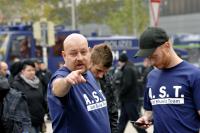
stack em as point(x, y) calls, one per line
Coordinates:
point(82, 110)
point(174, 97)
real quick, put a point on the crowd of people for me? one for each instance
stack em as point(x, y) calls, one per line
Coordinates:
point(85, 95)
point(23, 96)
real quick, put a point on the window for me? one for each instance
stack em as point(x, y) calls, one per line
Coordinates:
point(38, 51)
point(20, 47)
point(58, 47)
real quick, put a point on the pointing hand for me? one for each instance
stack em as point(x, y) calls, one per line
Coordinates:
point(75, 77)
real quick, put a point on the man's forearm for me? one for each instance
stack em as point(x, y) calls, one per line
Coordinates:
point(60, 87)
point(148, 114)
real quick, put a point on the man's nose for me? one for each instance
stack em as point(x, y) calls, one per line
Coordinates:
point(79, 56)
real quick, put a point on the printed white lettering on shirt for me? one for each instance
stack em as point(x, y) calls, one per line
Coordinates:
point(95, 101)
point(102, 94)
point(96, 106)
point(162, 92)
point(163, 97)
point(177, 88)
point(95, 96)
point(167, 101)
point(87, 100)
point(150, 93)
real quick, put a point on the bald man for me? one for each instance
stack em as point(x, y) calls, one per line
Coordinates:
point(76, 103)
point(3, 69)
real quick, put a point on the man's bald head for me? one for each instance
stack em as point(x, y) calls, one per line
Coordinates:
point(3, 68)
point(74, 39)
point(76, 52)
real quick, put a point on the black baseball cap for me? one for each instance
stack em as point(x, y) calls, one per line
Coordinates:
point(150, 39)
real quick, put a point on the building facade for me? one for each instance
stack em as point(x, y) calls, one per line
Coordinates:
point(180, 16)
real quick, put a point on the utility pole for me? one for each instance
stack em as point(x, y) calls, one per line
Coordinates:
point(134, 12)
point(72, 5)
point(44, 41)
point(73, 14)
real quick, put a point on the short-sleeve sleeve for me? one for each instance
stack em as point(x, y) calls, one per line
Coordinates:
point(147, 103)
point(196, 92)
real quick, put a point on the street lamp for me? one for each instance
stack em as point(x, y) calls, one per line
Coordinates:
point(73, 14)
point(72, 5)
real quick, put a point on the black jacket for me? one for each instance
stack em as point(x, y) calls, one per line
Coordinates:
point(35, 99)
point(109, 92)
point(14, 112)
point(129, 86)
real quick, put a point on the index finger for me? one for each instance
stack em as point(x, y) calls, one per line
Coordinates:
point(80, 71)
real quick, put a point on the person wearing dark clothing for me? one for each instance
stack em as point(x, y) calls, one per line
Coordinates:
point(109, 92)
point(27, 82)
point(101, 61)
point(14, 112)
point(44, 75)
point(116, 81)
point(128, 94)
point(4, 89)
point(147, 67)
point(15, 68)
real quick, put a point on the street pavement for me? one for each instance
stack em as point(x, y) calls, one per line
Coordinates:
point(129, 128)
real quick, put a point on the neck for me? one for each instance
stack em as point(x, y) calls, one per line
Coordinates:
point(175, 60)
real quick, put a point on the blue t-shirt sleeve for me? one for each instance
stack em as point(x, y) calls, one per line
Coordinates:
point(58, 74)
point(147, 103)
point(196, 92)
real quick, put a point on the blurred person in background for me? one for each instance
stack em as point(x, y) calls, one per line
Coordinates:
point(117, 74)
point(14, 112)
point(27, 82)
point(146, 68)
point(24, 48)
point(15, 68)
point(128, 94)
point(4, 69)
point(101, 61)
point(44, 75)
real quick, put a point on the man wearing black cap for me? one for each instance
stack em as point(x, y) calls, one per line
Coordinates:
point(172, 92)
point(128, 94)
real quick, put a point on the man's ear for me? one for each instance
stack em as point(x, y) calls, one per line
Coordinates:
point(63, 53)
point(168, 44)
